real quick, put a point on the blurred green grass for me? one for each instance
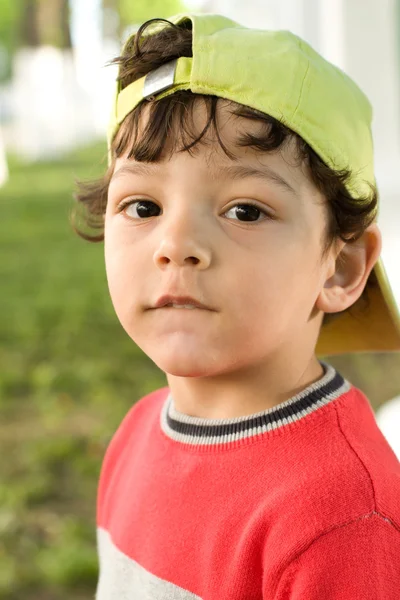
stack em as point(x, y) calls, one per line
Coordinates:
point(68, 375)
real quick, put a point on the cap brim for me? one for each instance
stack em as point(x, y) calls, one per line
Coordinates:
point(376, 329)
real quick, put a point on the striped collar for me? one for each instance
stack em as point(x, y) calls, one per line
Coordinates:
point(196, 431)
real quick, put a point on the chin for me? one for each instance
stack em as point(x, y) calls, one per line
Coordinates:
point(178, 369)
point(183, 365)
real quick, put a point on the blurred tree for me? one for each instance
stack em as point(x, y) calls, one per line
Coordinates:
point(32, 23)
point(28, 24)
point(44, 71)
point(52, 20)
point(9, 16)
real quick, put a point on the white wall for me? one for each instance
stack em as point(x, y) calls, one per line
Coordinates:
point(388, 419)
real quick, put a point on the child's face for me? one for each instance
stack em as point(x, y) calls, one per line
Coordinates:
point(260, 278)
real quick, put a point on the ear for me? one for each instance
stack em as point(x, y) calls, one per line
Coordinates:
point(348, 271)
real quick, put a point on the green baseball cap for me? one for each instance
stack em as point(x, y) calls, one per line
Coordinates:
point(279, 74)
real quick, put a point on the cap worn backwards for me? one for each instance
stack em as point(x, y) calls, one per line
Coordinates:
point(274, 72)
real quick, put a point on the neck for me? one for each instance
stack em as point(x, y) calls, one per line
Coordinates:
point(245, 391)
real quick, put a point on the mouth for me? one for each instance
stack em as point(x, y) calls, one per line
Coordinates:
point(170, 301)
point(189, 306)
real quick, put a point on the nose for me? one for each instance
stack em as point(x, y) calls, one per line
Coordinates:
point(183, 242)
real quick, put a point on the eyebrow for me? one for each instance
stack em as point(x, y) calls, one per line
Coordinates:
point(135, 169)
point(233, 172)
point(265, 173)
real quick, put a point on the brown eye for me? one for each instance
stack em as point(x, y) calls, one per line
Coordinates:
point(140, 209)
point(247, 212)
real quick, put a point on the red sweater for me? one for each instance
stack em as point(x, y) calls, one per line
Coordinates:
point(298, 502)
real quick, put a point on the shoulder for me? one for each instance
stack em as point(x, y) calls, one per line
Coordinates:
point(343, 469)
point(358, 466)
point(340, 496)
point(356, 559)
point(133, 427)
point(377, 462)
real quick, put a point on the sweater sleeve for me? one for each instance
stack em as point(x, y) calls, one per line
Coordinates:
point(359, 560)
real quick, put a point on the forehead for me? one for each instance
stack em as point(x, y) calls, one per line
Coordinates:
point(219, 149)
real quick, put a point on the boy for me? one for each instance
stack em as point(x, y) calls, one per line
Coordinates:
point(239, 214)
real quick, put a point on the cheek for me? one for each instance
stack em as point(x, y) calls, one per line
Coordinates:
point(299, 282)
point(121, 265)
point(282, 284)
point(113, 255)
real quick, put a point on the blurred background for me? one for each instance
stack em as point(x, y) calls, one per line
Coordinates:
point(68, 371)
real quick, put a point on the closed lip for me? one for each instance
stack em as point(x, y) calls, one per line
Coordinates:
point(168, 299)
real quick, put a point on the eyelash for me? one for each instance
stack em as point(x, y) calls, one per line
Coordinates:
point(127, 203)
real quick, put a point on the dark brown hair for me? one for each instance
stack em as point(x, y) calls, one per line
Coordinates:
point(170, 118)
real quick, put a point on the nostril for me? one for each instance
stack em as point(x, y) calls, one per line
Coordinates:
point(164, 259)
